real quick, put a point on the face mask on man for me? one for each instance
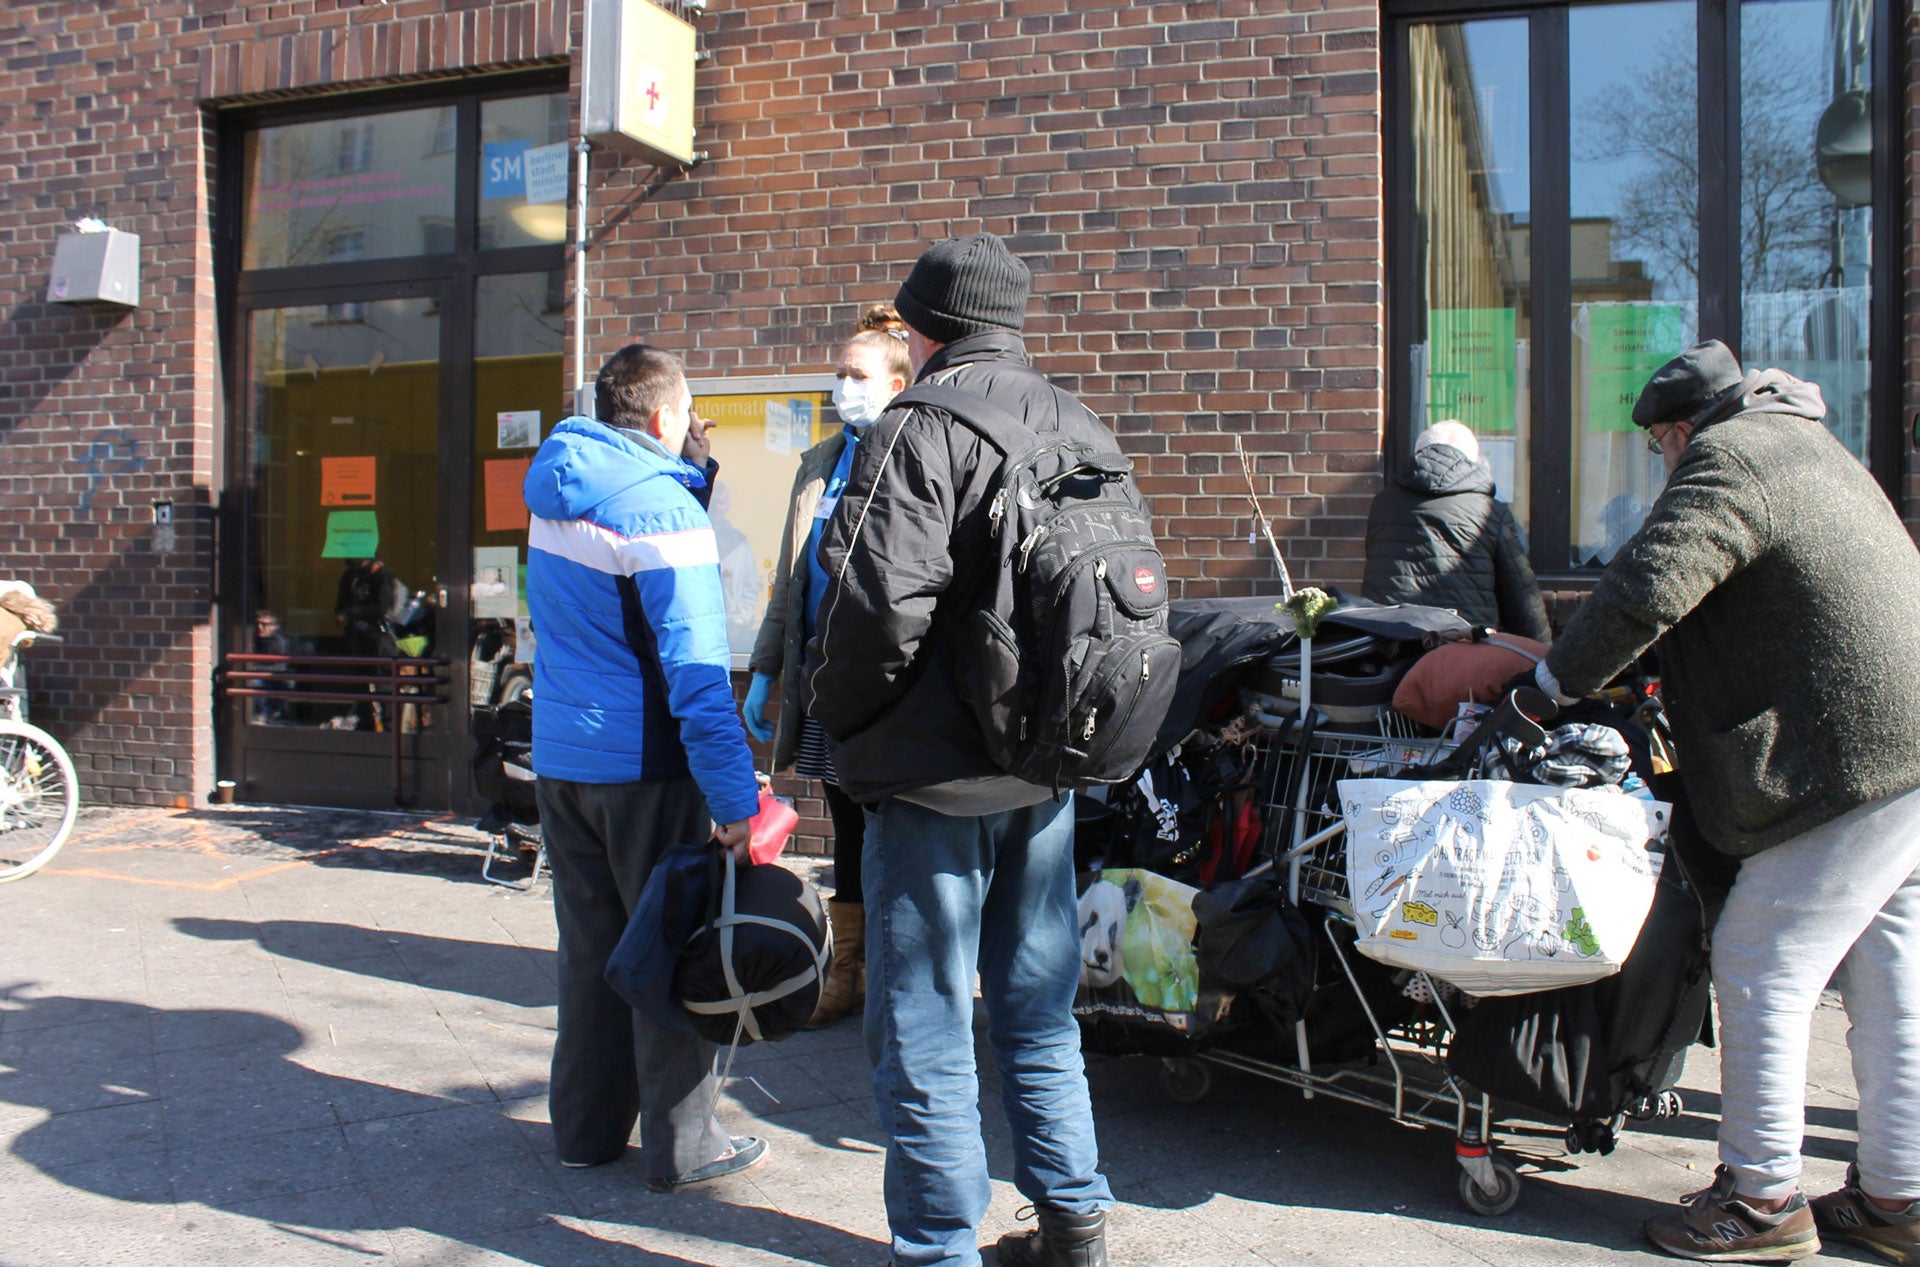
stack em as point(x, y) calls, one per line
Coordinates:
point(860, 401)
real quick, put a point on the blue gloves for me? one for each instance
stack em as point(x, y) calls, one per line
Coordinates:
point(754, 711)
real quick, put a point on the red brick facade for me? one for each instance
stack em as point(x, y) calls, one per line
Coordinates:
point(1198, 188)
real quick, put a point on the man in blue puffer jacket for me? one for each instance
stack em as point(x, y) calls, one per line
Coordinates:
point(637, 747)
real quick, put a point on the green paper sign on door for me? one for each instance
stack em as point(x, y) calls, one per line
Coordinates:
point(351, 534)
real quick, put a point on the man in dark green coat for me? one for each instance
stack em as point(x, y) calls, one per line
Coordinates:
point(1784, 595)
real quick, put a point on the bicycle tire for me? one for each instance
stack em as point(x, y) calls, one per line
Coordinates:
point(39, 796)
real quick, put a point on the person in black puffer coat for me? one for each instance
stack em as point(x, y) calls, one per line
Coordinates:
point(1437, 537)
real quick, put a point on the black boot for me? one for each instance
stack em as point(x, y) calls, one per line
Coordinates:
point(1061, 1240)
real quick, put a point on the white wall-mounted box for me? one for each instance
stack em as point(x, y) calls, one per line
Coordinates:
point(96, 268)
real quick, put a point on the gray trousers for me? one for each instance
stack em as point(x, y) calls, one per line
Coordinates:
point(610, 1066)
point(1841, 901)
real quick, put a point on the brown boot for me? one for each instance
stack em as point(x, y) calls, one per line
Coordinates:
point(844, 989)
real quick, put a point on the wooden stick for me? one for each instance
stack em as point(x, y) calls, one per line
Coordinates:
point(1253, 495)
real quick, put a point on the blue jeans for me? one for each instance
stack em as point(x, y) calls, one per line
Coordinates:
point(946, 896)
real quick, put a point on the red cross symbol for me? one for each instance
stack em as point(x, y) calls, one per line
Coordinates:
point(653, 96)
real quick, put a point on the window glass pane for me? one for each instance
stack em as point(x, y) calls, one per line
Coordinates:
point(519, 391)
point(524, 173)
point(1806, 181)
point(1468, 100)
point(346, 189)
point(1634, 186)
point(343, 495)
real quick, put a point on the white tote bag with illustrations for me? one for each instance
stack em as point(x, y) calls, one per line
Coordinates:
point(1497, 887)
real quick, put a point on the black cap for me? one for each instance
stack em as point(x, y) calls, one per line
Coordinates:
point(964, 286)
point(1692, 384)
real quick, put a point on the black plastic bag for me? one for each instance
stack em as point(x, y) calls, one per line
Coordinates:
point(1255, 943)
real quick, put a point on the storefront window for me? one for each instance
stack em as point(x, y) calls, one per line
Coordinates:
point(1562, 226)
point(1634, 197)
point(1806, 219)
point(343, 522)
point(519, 392)
point(369, 181)
point(1468, 362)
point(523, 171)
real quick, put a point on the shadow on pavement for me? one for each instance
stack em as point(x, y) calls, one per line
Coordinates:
point(520, 975)
point(144, 1110)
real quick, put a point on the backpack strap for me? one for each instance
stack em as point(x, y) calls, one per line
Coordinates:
point(993, 424)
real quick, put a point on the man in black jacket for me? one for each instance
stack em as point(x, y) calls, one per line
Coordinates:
point(1436, 536)
point(965, 866)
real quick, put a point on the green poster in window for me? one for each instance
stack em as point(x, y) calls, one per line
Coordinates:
point(1626, 343)
point(351, 534)
point(1470, 367)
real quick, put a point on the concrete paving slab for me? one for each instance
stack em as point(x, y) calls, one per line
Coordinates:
point(319, 1038)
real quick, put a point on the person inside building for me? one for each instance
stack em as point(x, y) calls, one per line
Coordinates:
point(636, 746)
point(1780, 589)
point(874, 368)
point(268, 639)
point(367, 603)
point(967, 869)
point(1436, 536)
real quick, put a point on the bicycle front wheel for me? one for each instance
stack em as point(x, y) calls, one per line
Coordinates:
point(39, 796)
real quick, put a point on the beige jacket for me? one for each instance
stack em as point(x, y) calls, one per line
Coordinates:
point(782, 639)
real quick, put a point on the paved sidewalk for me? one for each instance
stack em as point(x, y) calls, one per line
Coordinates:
point(262, 1035)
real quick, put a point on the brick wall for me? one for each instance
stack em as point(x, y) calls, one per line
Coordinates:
point(1196, 186)
point(104, 413)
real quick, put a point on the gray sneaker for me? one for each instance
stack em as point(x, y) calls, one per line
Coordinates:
point(1847, 1215)
point(1714, 1226)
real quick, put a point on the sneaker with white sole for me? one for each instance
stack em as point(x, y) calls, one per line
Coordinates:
point(1715, 1226)
point(1847, 1215)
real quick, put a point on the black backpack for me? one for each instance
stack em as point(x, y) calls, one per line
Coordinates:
point(503, 759)
point(1066, 660)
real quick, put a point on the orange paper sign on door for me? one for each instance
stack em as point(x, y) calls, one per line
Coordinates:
point(347, 481)
point(506, 503)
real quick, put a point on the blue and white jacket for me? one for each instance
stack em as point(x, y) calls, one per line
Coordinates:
point(623, 580)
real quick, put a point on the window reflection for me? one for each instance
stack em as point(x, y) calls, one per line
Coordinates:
point(523, 171)
point(1806, 223)
point(1634, 186)
point(342, 514)
point(312, 186)
point(1469, 95)
point(519, 394)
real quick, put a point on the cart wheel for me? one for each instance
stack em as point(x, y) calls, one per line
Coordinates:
point(1671, 1105)
point(1185, 1080)
point(1505, 1194)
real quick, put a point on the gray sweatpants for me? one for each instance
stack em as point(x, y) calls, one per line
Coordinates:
point(610, 1065)
point(1843, 897)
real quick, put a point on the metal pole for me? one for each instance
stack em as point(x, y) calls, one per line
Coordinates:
point(582, 154)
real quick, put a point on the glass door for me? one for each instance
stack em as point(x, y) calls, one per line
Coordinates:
point(519, 393)
point(341, 545)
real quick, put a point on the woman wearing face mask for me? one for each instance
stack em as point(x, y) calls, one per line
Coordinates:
point(874, 368)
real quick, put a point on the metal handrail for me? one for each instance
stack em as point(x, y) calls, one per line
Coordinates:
point(423, 684)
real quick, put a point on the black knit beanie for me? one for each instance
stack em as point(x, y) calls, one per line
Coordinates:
point(965, 286)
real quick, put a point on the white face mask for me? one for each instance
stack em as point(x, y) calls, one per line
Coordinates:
point(860, 402)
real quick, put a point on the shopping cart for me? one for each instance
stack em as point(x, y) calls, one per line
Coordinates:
point(1302, 755)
